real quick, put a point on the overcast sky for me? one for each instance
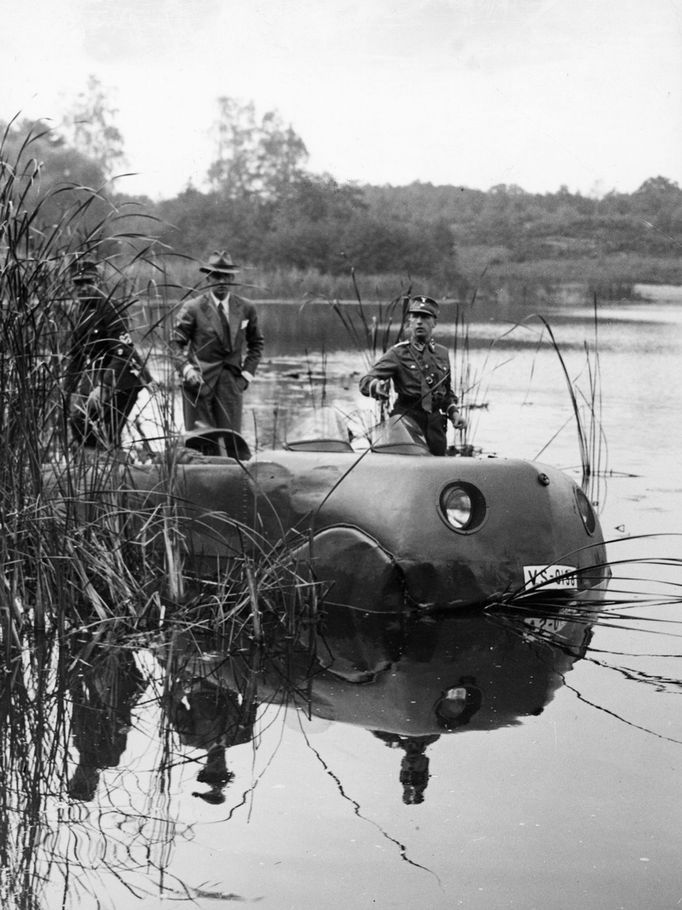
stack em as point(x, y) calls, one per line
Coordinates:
point(540, 93)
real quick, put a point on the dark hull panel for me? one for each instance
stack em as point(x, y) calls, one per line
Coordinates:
point(377, 527)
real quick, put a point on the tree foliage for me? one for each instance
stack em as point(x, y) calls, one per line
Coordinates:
point(550, 225)
point(272, 213)
point(53, 174)
point(317, 223)
point(90, 127)
point(261, 157)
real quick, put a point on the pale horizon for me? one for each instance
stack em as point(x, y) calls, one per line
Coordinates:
point(473, 93)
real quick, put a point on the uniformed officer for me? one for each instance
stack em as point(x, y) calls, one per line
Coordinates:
point(420, 370)
point(104, 370)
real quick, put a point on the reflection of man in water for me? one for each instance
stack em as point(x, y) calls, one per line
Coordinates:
point(414, 765)
point(104, 690)
point(212, 717)
point(454, 708)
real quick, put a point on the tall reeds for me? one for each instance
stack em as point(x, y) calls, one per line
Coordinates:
point(72, 550)
point(372, 334)
point(50, 559)
point(86, 575)
point(586, 407)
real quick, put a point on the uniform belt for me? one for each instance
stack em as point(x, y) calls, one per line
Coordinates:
point(417, 403)
point(403, 401)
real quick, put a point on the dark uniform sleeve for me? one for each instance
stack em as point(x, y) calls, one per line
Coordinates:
point(387, 367)
point(124, 361)
point(98, 329)
point(126, 366)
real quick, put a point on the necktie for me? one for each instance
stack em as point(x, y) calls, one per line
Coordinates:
point(225, 324)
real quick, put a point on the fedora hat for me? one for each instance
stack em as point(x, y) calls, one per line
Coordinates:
point(219, 264)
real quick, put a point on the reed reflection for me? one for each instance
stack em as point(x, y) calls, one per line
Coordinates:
point(32, 727)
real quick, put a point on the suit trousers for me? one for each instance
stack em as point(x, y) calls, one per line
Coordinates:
point(219, 406)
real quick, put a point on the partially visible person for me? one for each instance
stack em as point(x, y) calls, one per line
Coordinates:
point(420, 371)
point(105, 685)
point(414, 765)
point(104, 371)
point(216, 345)
point(211, 717)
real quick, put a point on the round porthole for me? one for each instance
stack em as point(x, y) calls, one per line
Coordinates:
point(462, 506)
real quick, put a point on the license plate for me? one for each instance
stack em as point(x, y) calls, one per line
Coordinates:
point(551, 578)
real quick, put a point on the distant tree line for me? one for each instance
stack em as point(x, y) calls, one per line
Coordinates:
point(315, 223)
point(549, 225)
point(263, 204)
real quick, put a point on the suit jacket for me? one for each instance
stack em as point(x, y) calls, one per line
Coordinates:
point(199, 337)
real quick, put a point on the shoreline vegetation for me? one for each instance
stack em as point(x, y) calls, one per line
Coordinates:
point(299, 235)
point(540, 281)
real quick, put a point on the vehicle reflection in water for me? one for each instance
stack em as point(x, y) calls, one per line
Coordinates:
point(410, 681)
point(75, 787)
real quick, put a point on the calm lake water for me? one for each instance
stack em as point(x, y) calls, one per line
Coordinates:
point(548, 778)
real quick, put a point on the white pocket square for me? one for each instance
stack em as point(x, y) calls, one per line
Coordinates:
point(244, 324)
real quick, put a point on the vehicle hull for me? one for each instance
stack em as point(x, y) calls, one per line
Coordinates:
point(372, 529)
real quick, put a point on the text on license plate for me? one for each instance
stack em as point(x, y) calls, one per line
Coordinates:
point(555, 577)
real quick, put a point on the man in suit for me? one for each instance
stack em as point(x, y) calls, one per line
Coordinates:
point(207, 345)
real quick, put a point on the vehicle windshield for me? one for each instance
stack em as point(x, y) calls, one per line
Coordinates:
point(398, 435)
point(327, 422)
point(333, 428)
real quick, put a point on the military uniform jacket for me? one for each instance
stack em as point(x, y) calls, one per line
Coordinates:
point(420, 374)
point(202, 337)
point(102, 346)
